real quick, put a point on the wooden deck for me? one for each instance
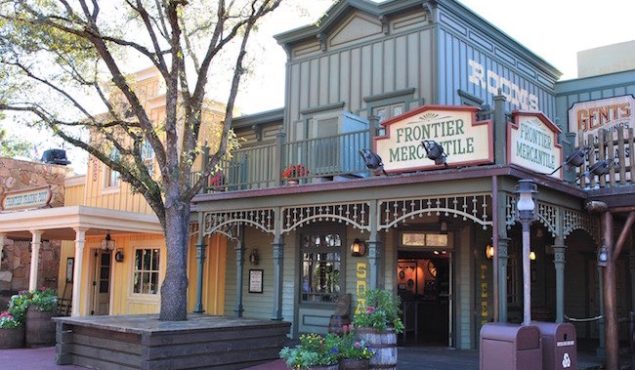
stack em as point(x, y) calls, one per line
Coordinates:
point(144, 342)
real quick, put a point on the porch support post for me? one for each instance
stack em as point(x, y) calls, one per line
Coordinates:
point(240, 267)
point(373, 246)
point(3, 237)
point(80, 237)
point(610, 302)
point(278, 256)
point(559, 262)
point(36, 242)
point(200, 258)
point(502, 255)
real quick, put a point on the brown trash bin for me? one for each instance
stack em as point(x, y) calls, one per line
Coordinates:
point(559, 345)
point(510, 347)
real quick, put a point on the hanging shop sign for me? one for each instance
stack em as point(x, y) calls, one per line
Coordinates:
point(532, 143)
point(588, 117)
point(27, 199)
point(465, 141)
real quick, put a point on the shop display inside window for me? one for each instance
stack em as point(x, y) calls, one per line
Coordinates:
point(146, 271)
point(321, 266)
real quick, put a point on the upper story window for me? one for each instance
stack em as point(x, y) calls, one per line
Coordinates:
point(147, 155)
point(388, 111)
point(146, 271)
point(112, 178)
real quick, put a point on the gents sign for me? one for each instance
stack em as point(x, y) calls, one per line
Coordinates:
point(533, 143)
point(464, 140)
point(27, 199)
point(590, 116)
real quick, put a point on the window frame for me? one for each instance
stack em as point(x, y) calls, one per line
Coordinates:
point(142, 271)
point(111, 184)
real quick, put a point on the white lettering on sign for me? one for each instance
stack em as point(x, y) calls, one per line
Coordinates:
point(492, 82)
point(566, 361)
point(565, 343)
point(590, 116)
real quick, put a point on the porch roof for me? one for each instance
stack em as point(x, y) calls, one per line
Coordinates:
point(60, 223)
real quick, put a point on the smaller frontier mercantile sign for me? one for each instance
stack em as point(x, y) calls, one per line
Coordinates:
point(464, 140)
point(532, 143)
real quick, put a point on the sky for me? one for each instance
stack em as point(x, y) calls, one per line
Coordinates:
point(555, 30)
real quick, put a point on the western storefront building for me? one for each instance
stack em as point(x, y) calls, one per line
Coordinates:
point(442, 235)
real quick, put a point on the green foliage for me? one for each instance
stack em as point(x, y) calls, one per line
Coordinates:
point(382, 311)
point(12, 147)
point(353, 348)
point(7, 321)
point(313, 350)
point(44, 300)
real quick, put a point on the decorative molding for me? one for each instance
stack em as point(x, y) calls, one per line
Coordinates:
point(467, 206)
point(323, 108)
point(353, 214)
point(222, 221)
point(390, 95)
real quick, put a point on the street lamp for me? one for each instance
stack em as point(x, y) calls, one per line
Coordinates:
point(526, 214)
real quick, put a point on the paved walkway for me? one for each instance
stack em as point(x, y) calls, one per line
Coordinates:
point(420, 358)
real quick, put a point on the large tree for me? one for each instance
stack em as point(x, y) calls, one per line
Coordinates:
point(12, 146)
point(60, 59)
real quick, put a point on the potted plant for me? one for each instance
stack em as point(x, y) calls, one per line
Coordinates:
point(314, 352)
point(40, 328)
point(354, 353)
point(293, 172)
point(378, 325)
point(11, 331)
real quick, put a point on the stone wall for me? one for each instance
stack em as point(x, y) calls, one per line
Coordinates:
point(17, 175)
point(16, 264)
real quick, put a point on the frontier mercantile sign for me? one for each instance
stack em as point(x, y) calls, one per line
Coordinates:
point(532, 143)
point(464, 140)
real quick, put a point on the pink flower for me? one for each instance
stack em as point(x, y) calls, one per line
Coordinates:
point(357, 345)
point(346, 328)
point(370, 309)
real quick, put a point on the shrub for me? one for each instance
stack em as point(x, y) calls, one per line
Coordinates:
point(313, 350)
point(353, 348)
point(7, 321)
point(382, 311)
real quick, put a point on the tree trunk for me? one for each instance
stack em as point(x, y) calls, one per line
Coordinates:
point(174, 288)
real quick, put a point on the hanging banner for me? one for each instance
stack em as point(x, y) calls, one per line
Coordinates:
point(464, 141)
point(532, 143)
point(588, 117)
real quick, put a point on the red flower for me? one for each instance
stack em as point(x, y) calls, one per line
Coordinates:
point(370, 309)
point(295, 171)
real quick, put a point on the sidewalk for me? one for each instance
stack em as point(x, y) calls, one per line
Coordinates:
point(420, 358)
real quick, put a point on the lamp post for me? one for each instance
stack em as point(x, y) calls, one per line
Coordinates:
point(526, 214)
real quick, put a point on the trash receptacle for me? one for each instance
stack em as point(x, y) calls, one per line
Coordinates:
point(510, 347)
point(559, 347)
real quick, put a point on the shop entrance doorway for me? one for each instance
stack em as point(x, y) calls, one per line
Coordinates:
point(102, 262)
point(424, 284)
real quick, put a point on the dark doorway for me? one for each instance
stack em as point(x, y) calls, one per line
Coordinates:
point(424, 286)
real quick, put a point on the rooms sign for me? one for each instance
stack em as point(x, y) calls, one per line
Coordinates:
point(465, 141)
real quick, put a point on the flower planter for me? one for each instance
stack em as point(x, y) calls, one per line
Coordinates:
point(330, 367)
point(384, 344)
point(351, 364)
point(40, 329)
point(12, 338)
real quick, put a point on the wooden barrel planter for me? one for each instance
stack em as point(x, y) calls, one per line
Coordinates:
point(383, 344)
point(350, 364)
point(330, 367)
point(40, 329)
point(12, 338)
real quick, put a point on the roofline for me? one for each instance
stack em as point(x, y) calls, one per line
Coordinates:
point(259, 118)
point(394, 6)
point(597, 81)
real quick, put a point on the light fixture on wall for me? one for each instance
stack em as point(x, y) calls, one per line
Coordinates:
point(254, 257)
point(603, 255)
point(107, 244)
point(434, 151)
point(489, 251)
point(358, 248)
point(532, 256)
point(119, 255)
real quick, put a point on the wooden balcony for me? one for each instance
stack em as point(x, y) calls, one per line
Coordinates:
point(325, 159)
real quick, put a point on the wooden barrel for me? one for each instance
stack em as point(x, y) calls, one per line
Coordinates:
point(350, 364)
point(12, 338)
point(40, 329)
point(337, 322)
point(383, 344)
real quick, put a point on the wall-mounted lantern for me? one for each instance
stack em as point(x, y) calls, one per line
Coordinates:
point(358, 248)
point(603, 256)
point(107, 244)
point(489, 251)
point(254, 257)
point(119, 255)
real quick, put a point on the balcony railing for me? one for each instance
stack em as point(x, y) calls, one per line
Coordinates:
point(610, 160)
point(261, 167)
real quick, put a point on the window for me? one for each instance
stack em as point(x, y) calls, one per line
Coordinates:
point(111, 177)
point(388, 111)
point(147, 156)
point(428, 240)
point(321, 267)
point(146, 271)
